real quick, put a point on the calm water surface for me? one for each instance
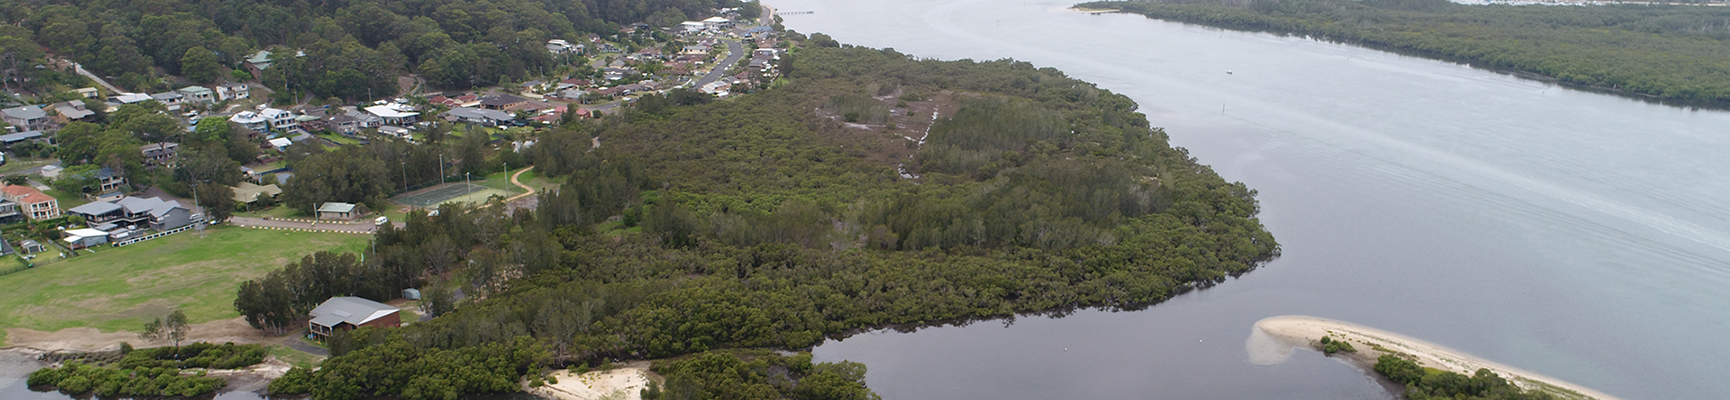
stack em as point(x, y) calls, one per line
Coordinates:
point(1579, 235)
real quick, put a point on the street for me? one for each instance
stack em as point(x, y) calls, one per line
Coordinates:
point(306, 225)
point(734, 52)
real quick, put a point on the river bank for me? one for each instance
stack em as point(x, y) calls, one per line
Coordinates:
point(622, 383)
point(16, 364)
point(1273, 339)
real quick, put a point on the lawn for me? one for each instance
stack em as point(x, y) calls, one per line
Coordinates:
point(279, 211)
point(119, 288)
point(339, 139)
point(67, 200)
point(15, 164)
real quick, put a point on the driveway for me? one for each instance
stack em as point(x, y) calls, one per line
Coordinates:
point(734, 53)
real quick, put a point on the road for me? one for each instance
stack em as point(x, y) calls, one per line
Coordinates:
point(99, 81)
point(734, 52)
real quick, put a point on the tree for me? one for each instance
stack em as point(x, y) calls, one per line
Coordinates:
point(217, 201)
point(200, 65)
point(173, 329)
point(17, 179)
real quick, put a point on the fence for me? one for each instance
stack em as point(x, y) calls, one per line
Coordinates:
point(194, 224)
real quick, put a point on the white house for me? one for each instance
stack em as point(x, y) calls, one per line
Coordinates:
point(281, 120)
point(717, 23)
point(561, 47)
point(691, 26)
point(233, 91)
point(395, 114)
point(251, 120)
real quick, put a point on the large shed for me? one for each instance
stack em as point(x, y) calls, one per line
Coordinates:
point(347, 313)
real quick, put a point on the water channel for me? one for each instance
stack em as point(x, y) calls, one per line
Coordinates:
point(1574, 234)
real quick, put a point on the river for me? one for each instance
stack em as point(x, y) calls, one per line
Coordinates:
point(1577, 235)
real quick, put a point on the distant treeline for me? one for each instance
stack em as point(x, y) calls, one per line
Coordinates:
point(1428, 383)
point(757, 222)
point(1669, 52)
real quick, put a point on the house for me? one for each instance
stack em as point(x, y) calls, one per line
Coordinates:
point(198, 94)
point(394, 114)
point(170, 99)
point(690, 27)
point(81, 238)
point(396, 131)
point(88, 93)
point(32, 202)
point(111, 181)
point(717, 23)
point(257, 63)
point(248, 192)
point(250, 120)
point(347, 313)
point(27, 117)
point(137, 212)
point(562, 47)
point(72, 111)
point(31, 246)
point(128, 98)
point(159, 153)
point(15, 138)
point(280, 144)
point(478, 116)
point(340, 211)
point(233, 91)
point(279, 120)
point(9, 212)
point(342, 123)
point(502, 101)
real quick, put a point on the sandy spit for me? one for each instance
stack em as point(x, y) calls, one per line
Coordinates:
point(623, 383)
point(1272, 341)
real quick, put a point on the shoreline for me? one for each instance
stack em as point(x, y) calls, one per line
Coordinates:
point(621, 383)
point(1272, 339)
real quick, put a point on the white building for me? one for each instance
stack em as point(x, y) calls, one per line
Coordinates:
point(280, 120)
point(717, 23)
point(561, 47)
point(233, 91)
point(393, 113)
point(691, 26)
point(250, 120)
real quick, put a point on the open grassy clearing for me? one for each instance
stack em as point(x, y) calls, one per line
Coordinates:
point(121, 288)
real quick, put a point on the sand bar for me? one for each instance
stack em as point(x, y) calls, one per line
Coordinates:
point(1273, 339)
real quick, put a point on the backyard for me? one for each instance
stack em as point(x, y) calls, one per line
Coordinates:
point(119, 288)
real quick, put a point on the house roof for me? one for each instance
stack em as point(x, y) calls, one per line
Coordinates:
point(86, 232)
point(167, 96)
point(129, 98)
point(72, 111)
point(26, 194)
point(156, 149)
point(195, 90)
point(479, 113)
point(25, 112)
point(260, 57)
point(390, 112)
point(20, 136)
point(352, 310)
point(246, 192)
point(95, 208)
point(502, 100)
point(247, 118)
point(336, 207)
point(273, 113)
point(280, 142)
point(156, 207)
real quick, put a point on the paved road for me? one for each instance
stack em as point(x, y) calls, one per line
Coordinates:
point(734, 52)
point(80, 70)
point(358, 227)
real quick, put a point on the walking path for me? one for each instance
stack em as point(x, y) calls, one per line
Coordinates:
point(98, 79)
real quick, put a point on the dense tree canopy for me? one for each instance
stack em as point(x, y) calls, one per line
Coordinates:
point(1674, 52)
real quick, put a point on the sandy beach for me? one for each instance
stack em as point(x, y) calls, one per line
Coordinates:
point(623, 383)
point(1273, 339)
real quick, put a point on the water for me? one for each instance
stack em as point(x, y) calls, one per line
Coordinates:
point(1574, 234)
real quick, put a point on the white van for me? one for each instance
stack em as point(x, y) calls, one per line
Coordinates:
point(380, 221)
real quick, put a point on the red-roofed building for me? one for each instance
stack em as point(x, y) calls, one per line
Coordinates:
point(32, 202)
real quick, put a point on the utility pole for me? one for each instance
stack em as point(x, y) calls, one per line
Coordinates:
point(441, 168)
point(195, 202)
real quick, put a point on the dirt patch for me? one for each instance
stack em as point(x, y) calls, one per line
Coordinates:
point(894, 142)
point(623, 383)
point(90, 339)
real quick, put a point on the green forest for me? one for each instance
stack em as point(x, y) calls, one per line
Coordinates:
point(702, 232)
point(347, 49)
point(1429, 383)
point(1669, 52)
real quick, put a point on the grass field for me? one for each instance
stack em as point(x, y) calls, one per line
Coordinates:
point(120, 288)
point(67, 200)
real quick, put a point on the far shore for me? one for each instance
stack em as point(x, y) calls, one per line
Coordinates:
point(1273, 339)
point(1094, 10)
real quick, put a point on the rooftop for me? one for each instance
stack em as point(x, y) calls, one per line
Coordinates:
point(336, 207)
point(351, 310)
point(25, 112)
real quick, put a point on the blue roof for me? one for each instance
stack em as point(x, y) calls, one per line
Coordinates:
point(21, 136)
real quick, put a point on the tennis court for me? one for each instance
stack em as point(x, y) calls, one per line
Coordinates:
point(449, 192)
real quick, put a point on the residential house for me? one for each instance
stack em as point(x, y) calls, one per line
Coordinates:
point(396, 131)
point(198, 94)
point(479, 116)
point(110, 181)
point(233, 91)
point(689, 27)
point(171, 99)
point(249, 193)
point(280, 120)
point(88, 93)
point(9, 212)
point(72, 111)
point(159, 153)
point(82, 238)
point(15, 138)
point(341, 211)
point(27, 118)
point(347, 313)
point(501, 101)
point(717, 23)
point(280, 144)
point(257, 63)
point(32, 202)
point(394, 114)
point(136, 212)
point(562, 47)
point(342, 123)
point(250, 120)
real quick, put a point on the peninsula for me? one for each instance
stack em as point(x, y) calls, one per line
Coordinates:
point(1273, 339)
